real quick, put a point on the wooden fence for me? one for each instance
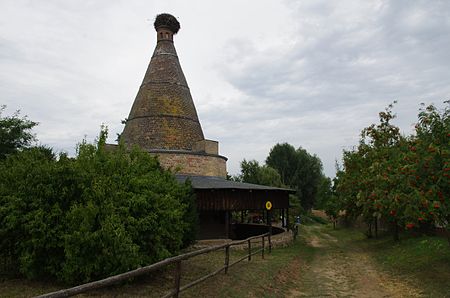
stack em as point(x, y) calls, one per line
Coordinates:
point(177, 288)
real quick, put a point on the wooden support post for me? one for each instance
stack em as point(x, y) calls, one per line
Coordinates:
point(227, 258)
point(283, 222)
point(177, 279)
point(262, 251)
point(287, 218)
point(270, 239)
point(227, 224)
point(242, 216)
point(249, 250)
point(269, 223)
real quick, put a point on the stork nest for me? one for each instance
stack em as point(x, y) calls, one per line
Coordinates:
point(168, 21)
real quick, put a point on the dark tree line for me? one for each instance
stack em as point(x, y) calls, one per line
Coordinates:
point(293, 168)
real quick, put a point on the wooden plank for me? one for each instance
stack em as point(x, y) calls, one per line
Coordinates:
point(237, 261)
point(245, 257)
point(249, 238)
point(189, 285)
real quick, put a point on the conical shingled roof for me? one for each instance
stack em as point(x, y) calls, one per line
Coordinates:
point(163, 115)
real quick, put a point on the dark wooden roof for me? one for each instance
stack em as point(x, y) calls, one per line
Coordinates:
point(207, 182)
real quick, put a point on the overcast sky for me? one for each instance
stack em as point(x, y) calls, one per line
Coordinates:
point(308, 72)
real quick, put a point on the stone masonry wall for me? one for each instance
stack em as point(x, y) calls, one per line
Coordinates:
point(193, 164)
point(163, 115)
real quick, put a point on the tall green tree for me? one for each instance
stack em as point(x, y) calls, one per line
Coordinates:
point(299, 170)
point(283, 158)
point(324, 192)
point(15, 133)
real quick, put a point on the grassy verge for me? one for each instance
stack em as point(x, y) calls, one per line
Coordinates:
point(421, 261)
point(424, 260)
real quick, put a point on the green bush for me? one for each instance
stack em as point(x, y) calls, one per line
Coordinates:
point(84, 218)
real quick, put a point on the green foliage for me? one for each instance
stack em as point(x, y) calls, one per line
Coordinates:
point(84, 218)
point(15, 133)
point(252, 172)
point(324, 193)
point(404, 180)
point(332, 205)
point(283, 158)
point(299, 170)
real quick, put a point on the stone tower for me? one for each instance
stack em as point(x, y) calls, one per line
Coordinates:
point(163, 115)
point(163, 119)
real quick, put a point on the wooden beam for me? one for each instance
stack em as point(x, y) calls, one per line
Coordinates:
point(227, 224)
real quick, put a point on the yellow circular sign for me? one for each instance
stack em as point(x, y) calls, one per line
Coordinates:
point(268, 205)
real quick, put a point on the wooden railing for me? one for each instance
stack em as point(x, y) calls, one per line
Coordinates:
point(177, 274)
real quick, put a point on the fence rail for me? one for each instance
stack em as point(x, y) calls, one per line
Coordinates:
point(177, 260)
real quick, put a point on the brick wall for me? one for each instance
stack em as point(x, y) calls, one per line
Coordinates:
point(194, 164)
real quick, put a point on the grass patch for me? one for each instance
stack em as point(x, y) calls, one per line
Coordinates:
point(422, 261)
point(257, 278)
point(312, 219)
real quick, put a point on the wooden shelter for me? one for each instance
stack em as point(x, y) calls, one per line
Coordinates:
point(217, 198)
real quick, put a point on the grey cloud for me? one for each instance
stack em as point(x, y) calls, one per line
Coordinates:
point(314, 77)
point(349, 65)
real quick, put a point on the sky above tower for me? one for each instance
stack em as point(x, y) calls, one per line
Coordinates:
point(311, 73)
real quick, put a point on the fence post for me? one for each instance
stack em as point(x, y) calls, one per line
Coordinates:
point(177, 279)
point(227, 258)
point(262, 251)
point(249, 250)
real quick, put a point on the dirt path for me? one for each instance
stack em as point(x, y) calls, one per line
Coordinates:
point(339, 270)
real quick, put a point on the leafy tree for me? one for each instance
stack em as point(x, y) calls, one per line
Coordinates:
point(15, 133)
point(283, 158)
point(332, 206)
point(252, 172)
point(324, 192)
point(428, 162)
point(299, 170)
point(403, 180)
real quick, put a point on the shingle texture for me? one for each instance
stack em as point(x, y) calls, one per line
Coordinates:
point(163, 115)
point(203, 182)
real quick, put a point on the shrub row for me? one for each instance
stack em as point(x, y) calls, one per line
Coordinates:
point(88, 217)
